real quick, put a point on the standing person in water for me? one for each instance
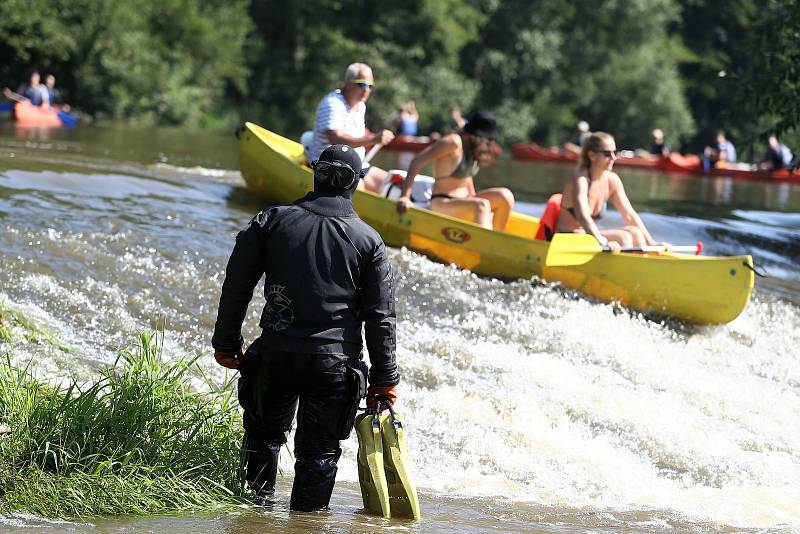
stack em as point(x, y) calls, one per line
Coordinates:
point(327, 280)
point(588, 190)
point(457, 158)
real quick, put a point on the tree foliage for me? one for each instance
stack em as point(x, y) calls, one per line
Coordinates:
point(169, 61)
point(773, 80)
point(688, 67)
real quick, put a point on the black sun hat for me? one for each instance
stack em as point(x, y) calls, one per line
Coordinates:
point(481, 123)
point(341, 154)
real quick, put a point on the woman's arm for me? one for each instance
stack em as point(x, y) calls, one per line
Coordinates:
point(438, 150)
point(624, 207)
point(580, 201)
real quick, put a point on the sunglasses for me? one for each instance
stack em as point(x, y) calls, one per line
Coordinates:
point(606, 153)
point(364, 84)
point(340, 176)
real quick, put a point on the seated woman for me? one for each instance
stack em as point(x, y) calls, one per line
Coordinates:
point(586, 193)
point(456, 159)
point(409, 118)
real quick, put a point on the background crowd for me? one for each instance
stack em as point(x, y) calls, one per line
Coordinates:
point(689, 67)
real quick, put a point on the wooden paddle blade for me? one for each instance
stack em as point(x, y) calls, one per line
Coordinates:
point(571, 249)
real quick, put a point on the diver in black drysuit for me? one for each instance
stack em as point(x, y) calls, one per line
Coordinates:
point(327, 273)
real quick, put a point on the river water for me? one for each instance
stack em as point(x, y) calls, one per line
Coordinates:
point(529, 408)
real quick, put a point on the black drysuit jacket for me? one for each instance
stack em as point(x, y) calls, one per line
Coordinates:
point(326, 271)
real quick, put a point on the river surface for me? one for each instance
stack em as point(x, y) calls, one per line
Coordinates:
point(529, 408)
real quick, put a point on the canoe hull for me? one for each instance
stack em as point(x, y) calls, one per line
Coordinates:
point(698, 289)
point(30, 116)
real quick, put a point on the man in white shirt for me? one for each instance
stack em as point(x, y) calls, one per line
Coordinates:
point(340, 120)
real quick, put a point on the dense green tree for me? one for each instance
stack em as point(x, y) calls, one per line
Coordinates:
point(688, 67)
point(611, 63)
point(771, 83)
point(302, 50)
point(169, 61)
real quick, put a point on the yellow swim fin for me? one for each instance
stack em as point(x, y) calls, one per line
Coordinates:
point(371, 476)
point(403, 500)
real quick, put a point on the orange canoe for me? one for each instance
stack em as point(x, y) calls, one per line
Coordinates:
point(26, 114)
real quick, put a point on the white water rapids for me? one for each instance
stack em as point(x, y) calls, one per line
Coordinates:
point(518, 392)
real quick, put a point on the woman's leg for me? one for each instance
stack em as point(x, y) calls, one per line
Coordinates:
point(620, 235)
point(636, 235)
point(474, 209)
point(501, 200)
point(374, 179)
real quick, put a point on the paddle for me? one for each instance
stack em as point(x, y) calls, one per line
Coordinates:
point(577, 249)
point(68, 119)
point(387, 122)
point(372, 151)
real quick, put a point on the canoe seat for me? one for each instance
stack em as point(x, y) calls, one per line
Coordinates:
point(420, 191)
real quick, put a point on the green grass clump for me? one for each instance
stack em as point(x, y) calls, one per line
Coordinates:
point(138, 439)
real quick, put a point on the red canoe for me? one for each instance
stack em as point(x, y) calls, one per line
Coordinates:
point(26, 114)
point(674, 163)
point(409, 143)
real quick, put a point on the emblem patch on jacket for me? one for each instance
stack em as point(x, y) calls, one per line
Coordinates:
point(278, 313)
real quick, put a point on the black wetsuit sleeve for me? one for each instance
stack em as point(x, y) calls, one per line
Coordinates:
point(377, 312)
point(245, 268)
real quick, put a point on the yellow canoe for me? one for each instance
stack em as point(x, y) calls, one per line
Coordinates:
point(697, 289)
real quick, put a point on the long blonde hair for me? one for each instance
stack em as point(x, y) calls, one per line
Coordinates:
point(593, 143)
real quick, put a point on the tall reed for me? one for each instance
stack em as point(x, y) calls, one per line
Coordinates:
point(138, 439)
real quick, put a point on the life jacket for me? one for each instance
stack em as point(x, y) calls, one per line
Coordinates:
point(550, 217)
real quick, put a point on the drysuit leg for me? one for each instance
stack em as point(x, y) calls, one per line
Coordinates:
point(326, 406)
point(269, 400)
point(261, 464)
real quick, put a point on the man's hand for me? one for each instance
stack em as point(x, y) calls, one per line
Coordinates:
point(384, 137)
point(229, 359)
point(390, 392)
point(403, 203)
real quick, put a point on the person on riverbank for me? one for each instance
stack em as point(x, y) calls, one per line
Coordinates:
point(327, 274)
point(340, 119)
point(778, 156)
point(456, 159)
point(587, 192)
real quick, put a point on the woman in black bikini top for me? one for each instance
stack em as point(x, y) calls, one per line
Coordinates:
point(598, 154)
point(455, 192)
point(467, 167)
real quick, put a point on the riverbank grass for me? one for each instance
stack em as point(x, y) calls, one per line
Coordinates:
point(136, 440)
